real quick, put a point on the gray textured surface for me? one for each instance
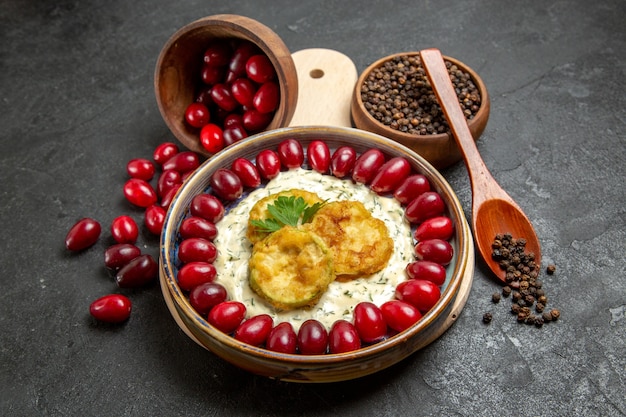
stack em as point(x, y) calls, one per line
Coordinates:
point(76, 103)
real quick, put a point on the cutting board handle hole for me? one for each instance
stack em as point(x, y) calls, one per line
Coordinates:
point(316, 73)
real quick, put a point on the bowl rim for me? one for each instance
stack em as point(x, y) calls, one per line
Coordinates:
point(483, 111)
point(464, 260)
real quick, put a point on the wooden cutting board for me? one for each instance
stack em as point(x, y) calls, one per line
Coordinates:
point(326, 81)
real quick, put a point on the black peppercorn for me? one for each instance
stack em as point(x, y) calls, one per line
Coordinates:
point(521, 273)
point(398, 94)
point(487, 317)
point(495, 297)
point(551, 269)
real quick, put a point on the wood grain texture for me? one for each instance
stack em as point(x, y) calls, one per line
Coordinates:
point(326, 79)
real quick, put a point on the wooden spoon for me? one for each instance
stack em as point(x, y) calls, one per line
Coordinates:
point(493, 210)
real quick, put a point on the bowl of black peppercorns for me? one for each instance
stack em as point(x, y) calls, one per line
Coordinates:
point(393, 98)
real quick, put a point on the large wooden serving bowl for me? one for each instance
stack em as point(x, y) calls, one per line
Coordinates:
point(438, 149)
point(178, 67)
point(329, 367)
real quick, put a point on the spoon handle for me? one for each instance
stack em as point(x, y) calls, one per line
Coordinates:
point(479, 174)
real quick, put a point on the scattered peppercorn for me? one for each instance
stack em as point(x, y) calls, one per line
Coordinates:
point(487, 317)
point(506, 291)
point(523, 285)
point(398, 94)
point(555, 314)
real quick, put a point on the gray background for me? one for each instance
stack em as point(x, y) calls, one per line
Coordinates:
point(77, 102)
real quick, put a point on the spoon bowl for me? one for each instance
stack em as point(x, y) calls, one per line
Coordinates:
point(493, 210)
point(499, 216)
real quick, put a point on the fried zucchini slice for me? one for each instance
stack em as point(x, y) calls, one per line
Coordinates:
point(360, 242)
point(260, 212)
point(291, 268)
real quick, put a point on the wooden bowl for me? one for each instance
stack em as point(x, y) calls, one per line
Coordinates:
point(328, 367)
point(438, 149)
point(179, 64)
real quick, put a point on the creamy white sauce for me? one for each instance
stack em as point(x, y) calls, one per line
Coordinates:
point(338, 302)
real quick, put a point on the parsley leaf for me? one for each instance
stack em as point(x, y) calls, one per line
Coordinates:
point(310, 211)
point(266, 226)
point(286, 211)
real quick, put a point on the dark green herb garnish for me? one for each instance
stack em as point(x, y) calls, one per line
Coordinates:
point(286, 211)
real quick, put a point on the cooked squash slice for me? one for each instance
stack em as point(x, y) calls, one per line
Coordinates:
point(291, 268)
